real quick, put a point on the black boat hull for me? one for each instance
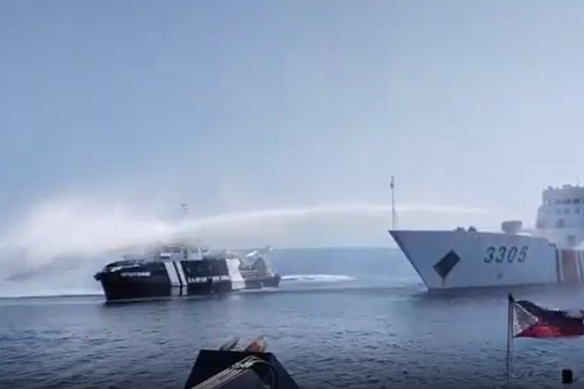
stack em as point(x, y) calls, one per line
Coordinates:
point(153, 280)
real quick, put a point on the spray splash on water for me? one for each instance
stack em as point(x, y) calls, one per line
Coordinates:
point(317, 278)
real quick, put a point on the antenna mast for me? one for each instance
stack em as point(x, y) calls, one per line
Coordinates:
point(392, 203)
point(183, 235)
point(185, 209)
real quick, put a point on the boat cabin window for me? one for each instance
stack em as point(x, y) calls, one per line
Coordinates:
point(576, 201)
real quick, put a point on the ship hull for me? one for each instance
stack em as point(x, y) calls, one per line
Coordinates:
point(179, 279)
point(470, 259)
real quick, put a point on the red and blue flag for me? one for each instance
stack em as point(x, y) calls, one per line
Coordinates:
point(530, 320)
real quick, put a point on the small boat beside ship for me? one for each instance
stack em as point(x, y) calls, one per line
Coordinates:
point(181, 270)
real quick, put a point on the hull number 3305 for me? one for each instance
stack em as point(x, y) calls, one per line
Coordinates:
point(500, 254)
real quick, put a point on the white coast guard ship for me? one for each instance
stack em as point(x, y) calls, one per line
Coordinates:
point(462, 258)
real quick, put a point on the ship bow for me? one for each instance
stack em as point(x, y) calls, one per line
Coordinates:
point(431, 254)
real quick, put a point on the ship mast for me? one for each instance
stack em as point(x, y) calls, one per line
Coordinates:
point(185, 240)
point(185, 209)
point(393, 215)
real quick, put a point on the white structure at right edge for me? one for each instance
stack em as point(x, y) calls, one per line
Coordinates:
point(515, 256)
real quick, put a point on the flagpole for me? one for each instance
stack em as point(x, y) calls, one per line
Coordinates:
point(509, 336)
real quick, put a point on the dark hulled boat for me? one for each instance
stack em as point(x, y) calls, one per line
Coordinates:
point(182, 270)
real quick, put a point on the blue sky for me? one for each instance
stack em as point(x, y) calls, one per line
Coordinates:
point(239, 105)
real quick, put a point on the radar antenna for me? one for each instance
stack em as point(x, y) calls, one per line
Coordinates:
point(393, 215)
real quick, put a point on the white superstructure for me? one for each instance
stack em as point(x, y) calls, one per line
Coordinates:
point(546, 254)
point(560, 217)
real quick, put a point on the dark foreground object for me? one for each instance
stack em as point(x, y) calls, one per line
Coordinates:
point(238, 370)
point(567, 376)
